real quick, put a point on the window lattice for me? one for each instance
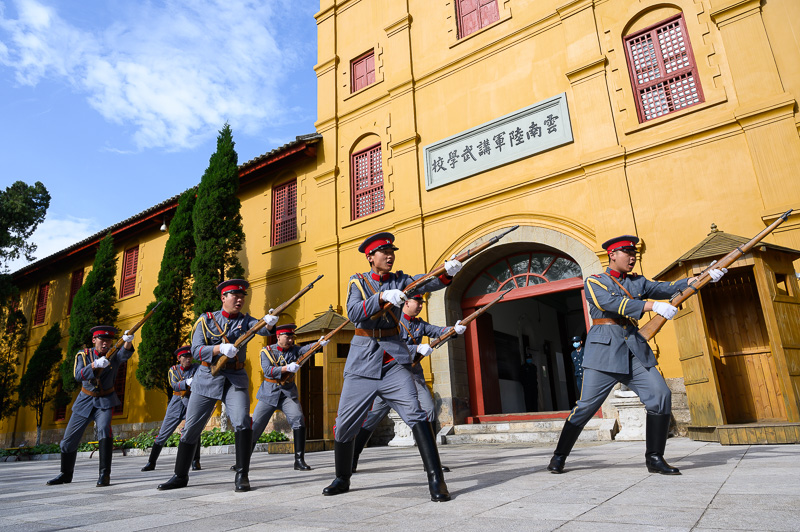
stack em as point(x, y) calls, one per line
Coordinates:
point(284, 208)
point(475, 14)
point(129, 264)
point(363, 71)
point(663, 70)
point(41, 304)
point(74, 286)
point(367, 182)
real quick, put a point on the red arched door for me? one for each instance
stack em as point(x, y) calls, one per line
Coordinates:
point(518, 352)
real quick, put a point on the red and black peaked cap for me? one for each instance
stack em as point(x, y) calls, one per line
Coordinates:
point(184, 351)
point(286, 328)
point(624, 242)
point(376, 242)
point(103, 331)
point(233, 285)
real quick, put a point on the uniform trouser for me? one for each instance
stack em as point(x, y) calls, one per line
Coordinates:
point(237, 402)
point(77, 424)
point(396, 387)
point(175, 414)
point(380, 409)
point(578, 384)
point(263, 412)
point(648, 384)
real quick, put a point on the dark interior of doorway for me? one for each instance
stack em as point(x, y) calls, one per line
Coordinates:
point(532, 342)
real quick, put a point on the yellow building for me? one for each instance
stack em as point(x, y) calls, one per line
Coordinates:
point(447, 122)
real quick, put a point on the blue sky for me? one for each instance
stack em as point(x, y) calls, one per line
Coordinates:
point(115, 105)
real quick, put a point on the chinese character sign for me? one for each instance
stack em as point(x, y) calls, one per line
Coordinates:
point(534, 129)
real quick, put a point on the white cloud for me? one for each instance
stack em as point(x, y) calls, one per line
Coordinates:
point(174, 71)
point(57, 233)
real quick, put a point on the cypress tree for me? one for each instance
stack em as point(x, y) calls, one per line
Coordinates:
point(94, 304)
point(170, 326)
point(218, 231)
point(33, 386)
point(13, 337)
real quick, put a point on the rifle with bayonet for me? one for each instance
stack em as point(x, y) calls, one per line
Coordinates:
point(121, 342)
point(466, 321)
point(258, 325)
point(652, 327)
point(439, 270)
point(289, 377)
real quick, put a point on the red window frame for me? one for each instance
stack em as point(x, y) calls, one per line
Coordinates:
point(366, 182)
point(362, 71)
point(284, 213)
point(665, 83)
point(75, 284)
point(119, 387)
point(130, 263)
point(473, 15)
point(41, 304)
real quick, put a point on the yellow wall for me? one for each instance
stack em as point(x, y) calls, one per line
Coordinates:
point(732, 160)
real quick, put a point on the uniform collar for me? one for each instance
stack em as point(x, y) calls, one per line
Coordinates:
point(615, 273)
point(281, 349)
point(230, 316)
point(381, 278)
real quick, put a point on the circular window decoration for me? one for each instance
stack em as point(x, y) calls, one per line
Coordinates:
point(521, 270)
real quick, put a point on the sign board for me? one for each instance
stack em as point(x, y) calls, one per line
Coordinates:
point(534, 129)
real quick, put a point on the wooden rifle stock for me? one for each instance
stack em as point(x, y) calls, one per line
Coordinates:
point(259, 324)
point(289, 377)
point(466, 321)
point(651, 328)
point(439, 270)
point(120, 342)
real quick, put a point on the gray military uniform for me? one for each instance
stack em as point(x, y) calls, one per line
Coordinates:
point(412, 331)
point(272, 396)
point(616, 353)
point(88, 408)
point(176, 409)
point(378, 367)
point(231, 386)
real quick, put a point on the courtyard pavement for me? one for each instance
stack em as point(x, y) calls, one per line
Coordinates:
point(495, 487)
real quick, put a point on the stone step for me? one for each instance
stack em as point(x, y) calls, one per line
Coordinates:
point(545, 431)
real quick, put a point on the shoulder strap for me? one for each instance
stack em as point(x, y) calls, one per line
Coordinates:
point(620, 285)
point(366, 282)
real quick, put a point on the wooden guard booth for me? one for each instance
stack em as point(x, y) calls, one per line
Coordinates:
point(739, 344)
point(320, 381)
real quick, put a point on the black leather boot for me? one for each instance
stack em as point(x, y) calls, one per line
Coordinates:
point(656, 438)
point(196, 459)
point(343, 456)
point(244, 448)
point(235, 466)
point(300, 450)
point(182, 462)
point(426, 443)
point(151, 462)
point(360, 442)
point(569, 435)
point(106, 446)
point(67, 469)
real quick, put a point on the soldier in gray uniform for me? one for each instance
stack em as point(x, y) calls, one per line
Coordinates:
point(95, 402)
point(616, 352)
point(180, 378)
point(379, 363)
point(231, 385)
point(412, 329)
point(277, 360)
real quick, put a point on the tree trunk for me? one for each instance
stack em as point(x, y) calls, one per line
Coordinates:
point(38, 434)
point(223, 418)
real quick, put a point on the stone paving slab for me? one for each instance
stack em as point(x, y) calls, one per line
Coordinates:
point(505, 487)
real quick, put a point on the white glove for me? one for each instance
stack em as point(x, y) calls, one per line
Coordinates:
point(270, 320)
point(101, 362)
point(716, 273)
point(323, 342)
point(460, 329)
point(189, 381)
point(664, 309)
point(127, 337)
point(452, 266)
point(229, 350)
point(424, 349)
point(292, 367)
point(395, 297)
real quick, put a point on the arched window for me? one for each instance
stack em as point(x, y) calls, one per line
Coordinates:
point(521, 270)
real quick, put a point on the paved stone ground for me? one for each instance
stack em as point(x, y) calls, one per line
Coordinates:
point(494, 487)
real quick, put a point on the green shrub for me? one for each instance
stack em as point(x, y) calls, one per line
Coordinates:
point(273, 436)
point(45, 448)
point(143, 440)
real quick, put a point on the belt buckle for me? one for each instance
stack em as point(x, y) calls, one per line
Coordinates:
point(376, 333)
